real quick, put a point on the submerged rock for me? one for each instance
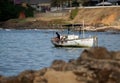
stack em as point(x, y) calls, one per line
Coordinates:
point(95, 65)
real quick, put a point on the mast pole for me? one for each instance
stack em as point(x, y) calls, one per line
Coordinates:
point(83, 28)
point(103, 2)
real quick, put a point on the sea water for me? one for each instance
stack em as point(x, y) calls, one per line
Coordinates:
point(32, 49)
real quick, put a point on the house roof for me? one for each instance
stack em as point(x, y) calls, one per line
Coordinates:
point(104, 3)
point(113, 0)
point(32, 1)
point(38, 1)
point(17, 1)
point(108, 0)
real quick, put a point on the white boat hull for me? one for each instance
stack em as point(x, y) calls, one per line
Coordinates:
point(79, 42)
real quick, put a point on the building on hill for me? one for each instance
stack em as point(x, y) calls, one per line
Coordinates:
point(113, 2)
point(45, 5)
point(39, 5)
point(104, 4)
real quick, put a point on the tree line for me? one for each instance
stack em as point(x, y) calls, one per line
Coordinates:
point(73, 3)
point(10, 10)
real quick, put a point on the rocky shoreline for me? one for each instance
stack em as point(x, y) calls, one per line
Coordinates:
point(95, 65)
point(48, 25)
point(25, 25)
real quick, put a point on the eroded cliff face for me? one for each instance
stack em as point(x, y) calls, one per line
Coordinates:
point(95, 65)
point(95, 16)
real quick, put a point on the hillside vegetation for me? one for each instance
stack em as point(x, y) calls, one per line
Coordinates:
point(107, 16)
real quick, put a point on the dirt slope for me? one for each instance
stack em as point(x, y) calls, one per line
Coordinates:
point(106, 16)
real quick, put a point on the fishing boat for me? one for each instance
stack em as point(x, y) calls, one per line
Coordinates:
point(71, 40)
point(74, 41)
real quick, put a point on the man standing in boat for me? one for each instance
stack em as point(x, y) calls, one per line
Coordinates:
point(58, 37)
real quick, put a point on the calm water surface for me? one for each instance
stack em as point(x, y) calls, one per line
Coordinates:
point(32, 49)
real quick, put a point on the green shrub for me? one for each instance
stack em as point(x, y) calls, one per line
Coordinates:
point(73, 13)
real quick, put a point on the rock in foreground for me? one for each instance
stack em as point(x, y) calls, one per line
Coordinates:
point(95, 65)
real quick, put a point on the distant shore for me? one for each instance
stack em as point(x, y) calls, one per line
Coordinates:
point(98, 19)
point(48, 25)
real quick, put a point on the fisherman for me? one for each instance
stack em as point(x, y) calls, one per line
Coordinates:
point(58, 35)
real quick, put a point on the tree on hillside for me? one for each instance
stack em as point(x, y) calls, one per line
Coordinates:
point(75, 3)
point(8, 10)
point(55, 3)
point(83, 2)
point(60, 3)
point(102, 0)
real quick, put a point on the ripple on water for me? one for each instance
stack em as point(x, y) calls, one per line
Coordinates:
point(31, 49)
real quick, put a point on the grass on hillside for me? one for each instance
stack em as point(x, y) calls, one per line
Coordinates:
point(73, 13)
